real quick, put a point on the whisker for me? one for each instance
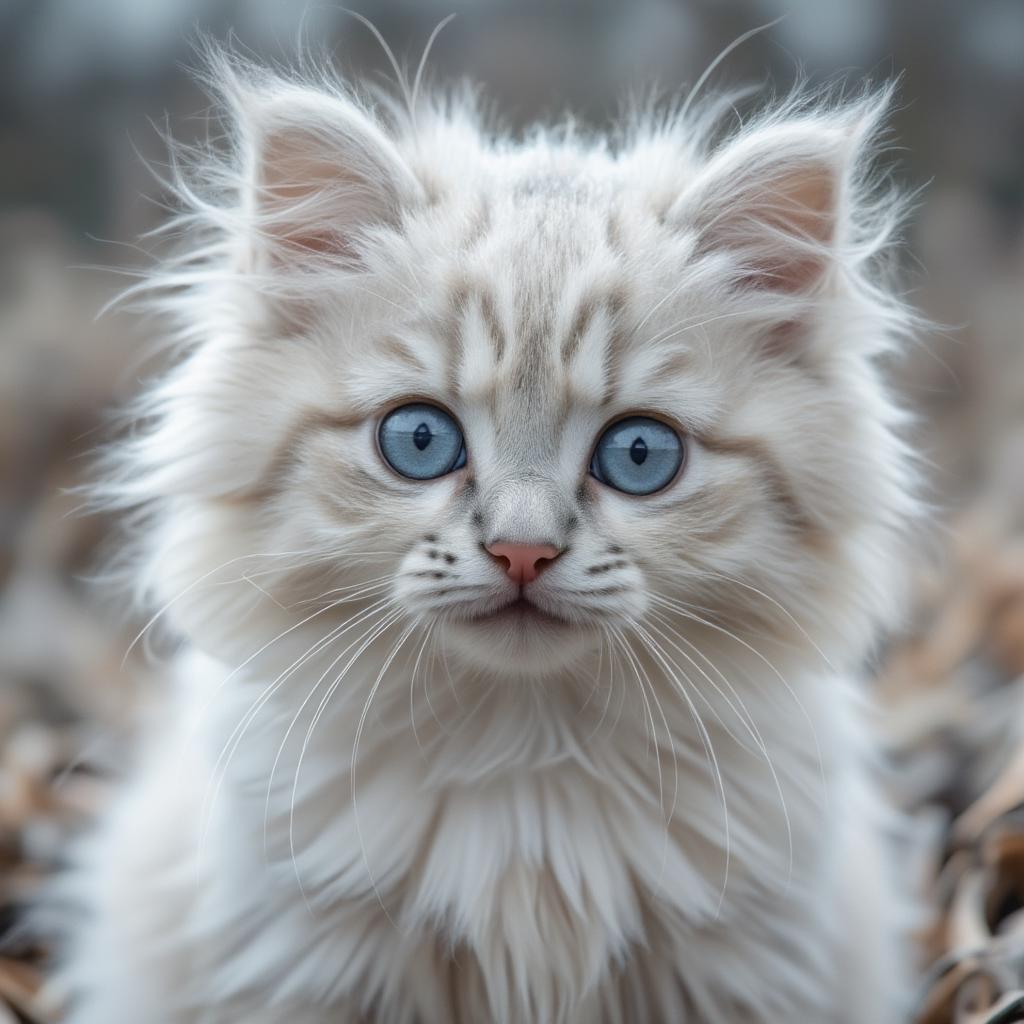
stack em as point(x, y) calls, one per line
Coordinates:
point(746, 720)
point(347, 590)
point(369, 589)
point(669, 333)
point(682, 610)
point(355, 757)
point(611, 684)
point(376, 608)
point(782, 608)
point(448, 673)
point(263, 591)
point(714, 711)
point(412, 690)
point(650, 716)
point(233, 741)
point(597, 675)
point(185, 591)
point(717, 772)
point(376, 632)
point(622, 698)
point(675, 783)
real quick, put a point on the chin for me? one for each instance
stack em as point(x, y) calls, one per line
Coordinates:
point(520, 641)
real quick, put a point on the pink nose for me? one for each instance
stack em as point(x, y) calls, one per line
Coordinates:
point(523, 562)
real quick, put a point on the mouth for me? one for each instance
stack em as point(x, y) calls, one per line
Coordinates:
point(520, 611)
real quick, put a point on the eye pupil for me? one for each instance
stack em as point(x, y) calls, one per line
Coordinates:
point(638, 455)
point(421, 441)
point(422, 436)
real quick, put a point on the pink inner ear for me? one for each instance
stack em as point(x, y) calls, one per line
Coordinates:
point(306, 239)
point(807, 204)
point(300, 200)
point(799, 207)
point(313, 197)
point(796, 275)
point(783, 224)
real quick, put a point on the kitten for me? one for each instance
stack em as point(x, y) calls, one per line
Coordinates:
point(528, 507)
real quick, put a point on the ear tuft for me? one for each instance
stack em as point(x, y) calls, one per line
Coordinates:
point(778, 197)
point(319, 172)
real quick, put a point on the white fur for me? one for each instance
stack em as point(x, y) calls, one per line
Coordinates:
point(664, 812)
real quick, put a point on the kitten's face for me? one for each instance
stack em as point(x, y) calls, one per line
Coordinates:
point(531, 397)
point(547, 436)
point(476, 464)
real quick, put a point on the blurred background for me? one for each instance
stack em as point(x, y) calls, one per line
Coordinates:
point(86, 86)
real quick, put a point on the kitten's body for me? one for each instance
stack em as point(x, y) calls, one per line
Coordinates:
point(658, 809)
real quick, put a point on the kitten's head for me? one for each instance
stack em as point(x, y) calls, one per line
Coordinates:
point(529, 393)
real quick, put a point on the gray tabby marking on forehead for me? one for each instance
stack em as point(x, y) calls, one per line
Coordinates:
point(465, 294)
point(528, 374)
point(553, 185)
point(615, 352)
point(673, 365)
point(494, 327)
point(584, 316)
point(399, 350)
point(479, 225)
point(590, 306)
point(450, 328)
point(613, 233)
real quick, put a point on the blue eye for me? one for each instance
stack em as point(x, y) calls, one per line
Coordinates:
point(638, 455)
point(421, 441)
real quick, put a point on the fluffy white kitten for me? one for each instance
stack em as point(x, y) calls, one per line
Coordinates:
point(527, 507)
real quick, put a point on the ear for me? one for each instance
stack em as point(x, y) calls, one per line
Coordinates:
point(319, 171)
point(778, 197)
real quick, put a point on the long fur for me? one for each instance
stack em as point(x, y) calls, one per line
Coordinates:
point(359, 803)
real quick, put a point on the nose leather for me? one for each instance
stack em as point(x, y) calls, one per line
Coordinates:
point(523, 562)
